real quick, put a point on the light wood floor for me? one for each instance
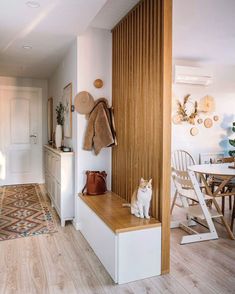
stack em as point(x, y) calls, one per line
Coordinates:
point(63, 262)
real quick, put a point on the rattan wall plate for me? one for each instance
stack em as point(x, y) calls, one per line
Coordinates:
point(194, 131)
point(84, 102)
point(207, 104)
point(208, 123)
point(98, 83)
point(216, 117)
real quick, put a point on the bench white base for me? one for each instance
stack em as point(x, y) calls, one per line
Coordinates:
point(127, 256)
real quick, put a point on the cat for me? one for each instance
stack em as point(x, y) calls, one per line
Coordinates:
point(140, 200)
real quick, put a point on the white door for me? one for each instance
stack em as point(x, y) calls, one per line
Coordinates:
point(20, 135)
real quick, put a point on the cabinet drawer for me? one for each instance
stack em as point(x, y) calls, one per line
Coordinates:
point(58, 196)
point(53, 189)
point(46, 181)
point(58, 169)
point(53, 165)
point(49, 185)
point(45, 160)
point(48, 156)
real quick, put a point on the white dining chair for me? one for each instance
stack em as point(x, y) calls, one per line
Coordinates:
point(198, 213)
point(180, 161)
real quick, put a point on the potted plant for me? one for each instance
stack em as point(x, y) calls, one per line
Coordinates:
point(60, 122)
point(232, 141)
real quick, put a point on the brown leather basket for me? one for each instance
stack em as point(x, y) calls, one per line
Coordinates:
point(95, 183)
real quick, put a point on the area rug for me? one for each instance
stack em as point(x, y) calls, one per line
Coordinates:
point(24, 212)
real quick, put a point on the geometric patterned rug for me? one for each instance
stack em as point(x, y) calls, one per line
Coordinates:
point(24, 212)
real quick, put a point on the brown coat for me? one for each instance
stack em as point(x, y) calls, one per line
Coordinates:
point(100, 131)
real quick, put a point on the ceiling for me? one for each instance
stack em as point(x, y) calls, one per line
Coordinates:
point(49, 30)
point(204, 30)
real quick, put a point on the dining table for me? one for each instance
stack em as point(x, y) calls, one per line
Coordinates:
point(225, 172)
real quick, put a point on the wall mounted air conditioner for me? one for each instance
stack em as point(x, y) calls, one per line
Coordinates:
point(193, 75)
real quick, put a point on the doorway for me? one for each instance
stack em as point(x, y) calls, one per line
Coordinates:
point(20, 135)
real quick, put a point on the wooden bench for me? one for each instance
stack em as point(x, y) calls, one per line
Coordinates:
point(128, 247)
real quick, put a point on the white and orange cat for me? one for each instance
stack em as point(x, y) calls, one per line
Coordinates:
point(140, 200)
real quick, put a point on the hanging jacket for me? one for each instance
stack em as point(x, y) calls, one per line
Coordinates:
point(100, 130)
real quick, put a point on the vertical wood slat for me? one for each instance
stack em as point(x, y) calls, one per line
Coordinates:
point(141, 101)
point(136, 96)
point(166, 131)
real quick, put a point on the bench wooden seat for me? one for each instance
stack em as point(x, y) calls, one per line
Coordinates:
point(118, 218)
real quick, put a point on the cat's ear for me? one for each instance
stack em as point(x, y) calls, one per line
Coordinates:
point(142, 180)
point(150, 182)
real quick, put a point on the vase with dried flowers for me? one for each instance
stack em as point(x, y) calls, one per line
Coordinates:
point(183, 112)
point(60, 122)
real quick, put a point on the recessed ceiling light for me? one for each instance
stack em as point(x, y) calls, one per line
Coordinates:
point(32, 4)
point(27, 47)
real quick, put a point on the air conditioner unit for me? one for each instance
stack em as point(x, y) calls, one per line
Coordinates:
point(193, 75)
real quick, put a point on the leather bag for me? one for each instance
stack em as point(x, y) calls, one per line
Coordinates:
point(95, 183)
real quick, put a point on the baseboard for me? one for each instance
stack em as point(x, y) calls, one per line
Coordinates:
point(76, 225)
point(40, 181)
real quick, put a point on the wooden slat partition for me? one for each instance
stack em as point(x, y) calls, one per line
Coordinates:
point(142, 107)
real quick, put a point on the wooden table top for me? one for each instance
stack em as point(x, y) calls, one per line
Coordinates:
point(221, 169)
point(118, 218)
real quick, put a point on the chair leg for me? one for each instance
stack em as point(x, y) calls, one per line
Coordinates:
point(173, 202)
point(233, 214)
point(223, 203)
point(230, 202)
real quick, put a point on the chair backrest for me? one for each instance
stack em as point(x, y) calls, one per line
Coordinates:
point(181, 160)
point(183, 183)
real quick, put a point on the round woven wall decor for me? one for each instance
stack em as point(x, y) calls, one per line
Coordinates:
point(98, 83)
point(208, 123)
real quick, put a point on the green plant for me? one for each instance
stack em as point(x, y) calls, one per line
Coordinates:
point(232, 142)
point(60, 114)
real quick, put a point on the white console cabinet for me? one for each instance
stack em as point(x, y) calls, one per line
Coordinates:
point(59, 181)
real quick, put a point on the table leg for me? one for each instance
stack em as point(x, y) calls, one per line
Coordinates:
point(174, 199)
point(223, 205)
point(233, 214)
point(230, 233)
point(209, 192)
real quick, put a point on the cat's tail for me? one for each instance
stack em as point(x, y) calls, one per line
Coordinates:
point(126, 205)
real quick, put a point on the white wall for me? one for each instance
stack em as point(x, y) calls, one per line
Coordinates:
point(89, 58)
point(65, 73)
point(215, 138)
point(37, 83)
point(94, 61)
